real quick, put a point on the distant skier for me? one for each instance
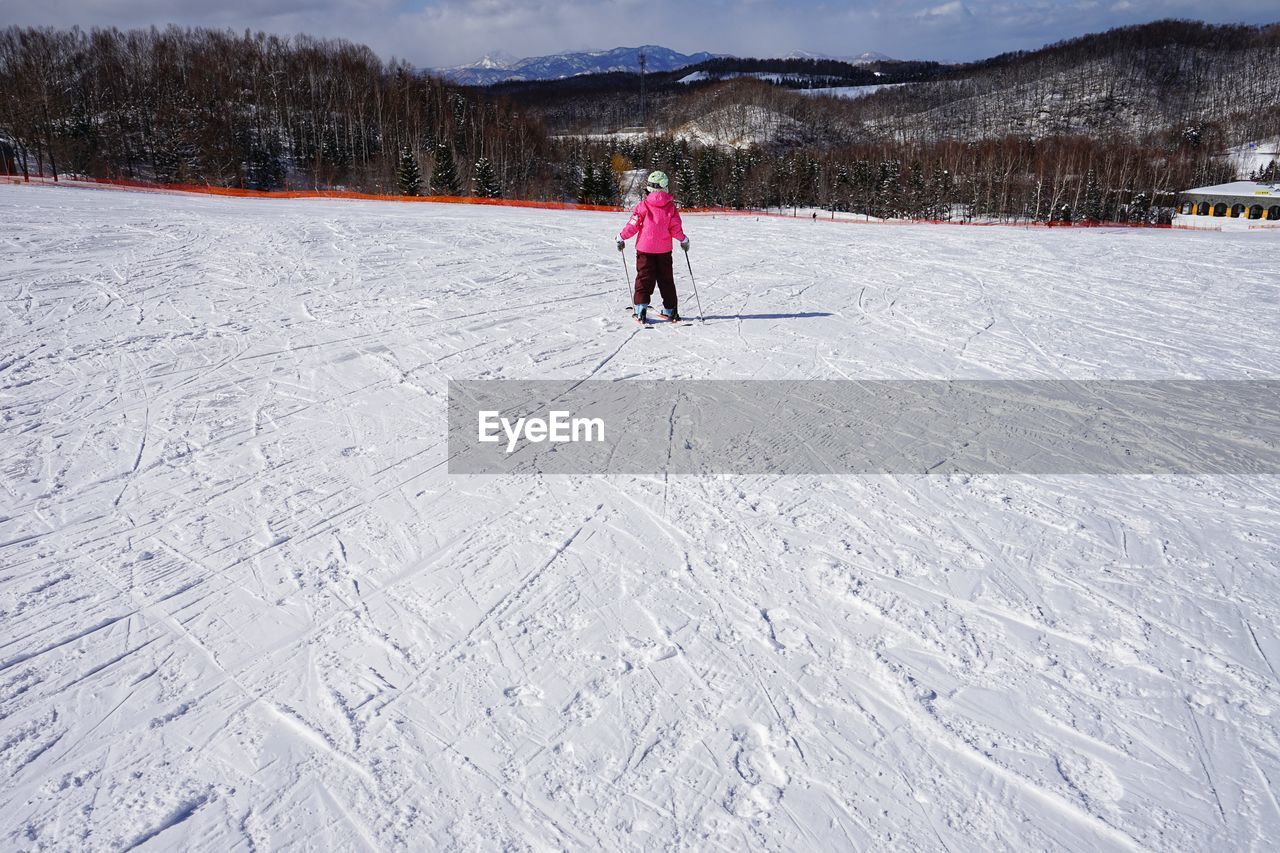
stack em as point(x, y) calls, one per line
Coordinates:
point(657, 221)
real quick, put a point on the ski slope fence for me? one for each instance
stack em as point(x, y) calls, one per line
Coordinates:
point(848, 219)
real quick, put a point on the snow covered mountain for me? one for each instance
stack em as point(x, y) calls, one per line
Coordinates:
point(497, 68)
point(498, 60)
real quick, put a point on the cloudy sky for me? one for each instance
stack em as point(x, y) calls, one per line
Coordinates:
point(447, 32)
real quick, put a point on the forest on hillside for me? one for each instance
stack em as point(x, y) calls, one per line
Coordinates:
point(247, 110)
point(1131, 82)
point(1106, 127)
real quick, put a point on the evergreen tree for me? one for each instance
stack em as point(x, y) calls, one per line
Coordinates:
point(1140, 208)
point(263, 169)
point(588, 189)
point(408, 175)
point(969, 192)
point(840, 188)
point(164, 160)
point(782, 190)
point(1093, 206)
point(917, 203)
point(863, 181)
point(684, 183)
point(571, 176)
point(889, 190)
point(811, 177)
point(738, 179)
point(485, 181)
point(606, 184)
point(444, 175)
point(704, 184)
point(459, 105)
point(939, 193)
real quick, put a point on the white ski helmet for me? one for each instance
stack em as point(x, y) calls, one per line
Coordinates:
point(657, 181)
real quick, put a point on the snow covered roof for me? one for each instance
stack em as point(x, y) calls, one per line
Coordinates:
point(1239, 188)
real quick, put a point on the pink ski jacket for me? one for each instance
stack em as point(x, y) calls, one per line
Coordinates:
point(656, 220)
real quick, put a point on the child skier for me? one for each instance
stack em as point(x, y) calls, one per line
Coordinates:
point(657, 221)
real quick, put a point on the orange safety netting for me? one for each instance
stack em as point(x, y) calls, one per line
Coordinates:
point(849, 220)
point(207, 189)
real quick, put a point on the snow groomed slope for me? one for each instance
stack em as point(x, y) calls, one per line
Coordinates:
point(242, 602)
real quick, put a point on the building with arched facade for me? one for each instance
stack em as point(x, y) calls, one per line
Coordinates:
point(1245, 200)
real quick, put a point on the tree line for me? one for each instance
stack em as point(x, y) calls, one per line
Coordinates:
point(249, 110)
point(265, 112)
point(1011, 179)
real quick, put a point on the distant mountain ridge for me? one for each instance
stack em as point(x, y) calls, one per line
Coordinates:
point(499, 68)
point(865, 58)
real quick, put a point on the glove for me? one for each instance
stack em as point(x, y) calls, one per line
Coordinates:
point(684, 244)
point(622, 244)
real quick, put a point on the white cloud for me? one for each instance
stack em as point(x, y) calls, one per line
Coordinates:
point(947, 10)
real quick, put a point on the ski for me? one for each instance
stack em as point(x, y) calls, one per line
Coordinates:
point(658, 320)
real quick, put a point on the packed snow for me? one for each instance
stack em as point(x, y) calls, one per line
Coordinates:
point(243, 605)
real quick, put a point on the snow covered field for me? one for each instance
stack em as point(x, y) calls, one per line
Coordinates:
point(852, 92)
point(242, 605)
point(1254, 156)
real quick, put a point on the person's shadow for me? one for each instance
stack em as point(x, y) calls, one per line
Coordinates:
point(802, 315)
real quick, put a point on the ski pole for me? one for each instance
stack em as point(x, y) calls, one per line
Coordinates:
point(626, 271)
point(701, 318)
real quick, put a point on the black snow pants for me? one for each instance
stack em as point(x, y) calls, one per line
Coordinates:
point(655, 268)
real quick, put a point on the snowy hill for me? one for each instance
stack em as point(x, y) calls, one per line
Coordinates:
point(1253, 157)
point(740, 125)
point(499, 68)
point(1093, 98)
point(244, 605)
point(1125, 82)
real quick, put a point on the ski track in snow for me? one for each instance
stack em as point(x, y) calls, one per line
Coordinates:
point(242, 604)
